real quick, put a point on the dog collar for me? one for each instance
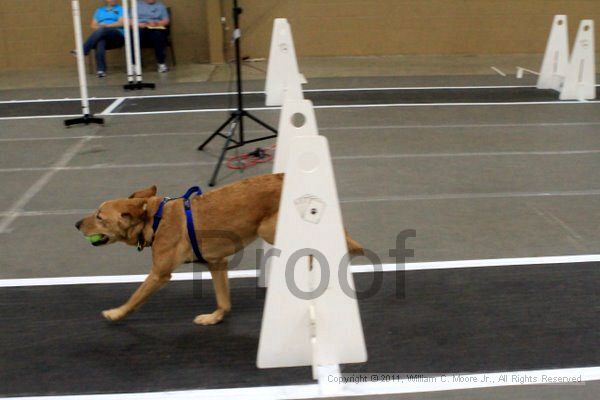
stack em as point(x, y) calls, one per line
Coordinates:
point(141, 241)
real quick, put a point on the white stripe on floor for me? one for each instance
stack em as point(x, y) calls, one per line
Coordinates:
point(354, 157)
point(358, 128)
point(444, 382)
point(240, 274)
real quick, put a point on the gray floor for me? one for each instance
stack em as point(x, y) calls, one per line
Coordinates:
point(475, 182)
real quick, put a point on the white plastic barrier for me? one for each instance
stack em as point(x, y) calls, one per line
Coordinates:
point(580, 81)
point(556, 58)
point(292, 113)
point(284, 80)
point(308, 318)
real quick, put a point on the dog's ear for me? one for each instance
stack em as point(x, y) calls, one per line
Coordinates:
point(144, 193)
point(135, 209)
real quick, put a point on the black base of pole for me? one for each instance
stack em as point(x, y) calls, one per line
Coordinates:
point(235, 122)
point(85, 119)
point(139, 86)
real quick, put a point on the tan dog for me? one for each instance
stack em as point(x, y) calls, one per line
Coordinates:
point(239, 212)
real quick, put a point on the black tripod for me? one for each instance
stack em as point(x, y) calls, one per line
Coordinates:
point(236, 119)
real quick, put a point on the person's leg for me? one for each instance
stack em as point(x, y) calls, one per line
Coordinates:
point(110, 39)
point(101, 55)
point(91, 41)
point(158, 38)
point(114, 40)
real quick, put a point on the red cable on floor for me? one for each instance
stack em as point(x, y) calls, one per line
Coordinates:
point(247, 160)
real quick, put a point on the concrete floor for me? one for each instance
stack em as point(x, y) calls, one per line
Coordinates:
point(475, 182)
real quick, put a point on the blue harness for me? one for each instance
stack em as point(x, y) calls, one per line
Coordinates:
point(188, 215)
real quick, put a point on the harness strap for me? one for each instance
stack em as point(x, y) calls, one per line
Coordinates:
point(190, 221)
point(158, 215)
point(195, 190)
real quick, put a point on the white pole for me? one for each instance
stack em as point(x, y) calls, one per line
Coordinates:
point(127, 28)
point(85, 105)
point(136, 41)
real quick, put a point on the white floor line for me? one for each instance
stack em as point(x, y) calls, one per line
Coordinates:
point(251, 273)
point(108, 110)
point(353, 157)
point(498, 71)
point(40, 117)
point(54, 100)
point(358, 128)
point(458, 104)
point(365, 89)
point(117, 136)
point(469, 196)
point(444, 382)
point(49, 213)
point(158, 96)
point(359, 200)
point(13, 212)
point(353, 106)
point(112, 166)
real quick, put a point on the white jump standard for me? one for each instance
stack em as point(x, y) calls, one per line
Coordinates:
point(284, 80)
point(580, 80)
point(87, 117)
point(134, 68)
point(556, 59)
point(573, 76)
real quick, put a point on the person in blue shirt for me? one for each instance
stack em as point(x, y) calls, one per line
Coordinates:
point(108, 33)
point(153, 19)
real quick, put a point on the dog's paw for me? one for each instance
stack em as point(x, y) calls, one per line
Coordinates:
point(209, 319)
point(113, 315)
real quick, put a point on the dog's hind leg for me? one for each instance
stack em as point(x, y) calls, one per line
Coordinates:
point(218, 271)
point(266, 229)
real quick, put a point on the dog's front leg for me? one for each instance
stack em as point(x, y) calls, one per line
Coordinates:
point(220, 280)
point(154, 281)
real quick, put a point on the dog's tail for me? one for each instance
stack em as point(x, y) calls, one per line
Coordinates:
point(354, 248)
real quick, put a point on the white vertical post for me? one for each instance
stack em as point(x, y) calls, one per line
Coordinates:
point(85, 105)
point(556, 57)
point(136, 41)
point(127, 31)
point(580, 82)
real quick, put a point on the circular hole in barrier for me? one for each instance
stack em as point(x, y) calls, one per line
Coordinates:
point(560, 22)
point(298, 120)
point(586, 28)
point(308, 162)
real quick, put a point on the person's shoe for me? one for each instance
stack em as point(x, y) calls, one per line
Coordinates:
point(163, 68)
point(101, 74)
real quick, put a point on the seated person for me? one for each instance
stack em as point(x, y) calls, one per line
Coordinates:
point(153, 19)
point(108, 33)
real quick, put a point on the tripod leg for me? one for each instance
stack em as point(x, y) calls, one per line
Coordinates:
point(258, 121)
point(229, 120)
point(235, 119)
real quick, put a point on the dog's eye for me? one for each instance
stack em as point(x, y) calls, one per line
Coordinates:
point(98, 217)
